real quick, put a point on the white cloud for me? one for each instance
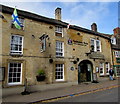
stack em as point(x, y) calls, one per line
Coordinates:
point(85, 14)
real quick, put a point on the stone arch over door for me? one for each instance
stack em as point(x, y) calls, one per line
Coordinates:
point(85, 71)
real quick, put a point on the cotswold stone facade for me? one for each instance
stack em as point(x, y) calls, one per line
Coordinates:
point(67, 55)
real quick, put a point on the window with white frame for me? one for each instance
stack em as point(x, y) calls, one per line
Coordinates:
point(59, 49)
point(95, 45)
point(92, 45)
point(14, 73)
point(98, 45)
point(58, 31)
point(113, 40)
point(107, 68)
point(16, 44)
point(117, 54)
point(59, 72)
point(101, 69)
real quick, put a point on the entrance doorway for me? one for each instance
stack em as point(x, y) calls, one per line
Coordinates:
point(85, 71)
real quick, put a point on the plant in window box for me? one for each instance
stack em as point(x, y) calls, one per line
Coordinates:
point(40, 75)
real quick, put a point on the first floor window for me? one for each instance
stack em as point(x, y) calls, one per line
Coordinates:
point(59, 49)
point(59, 72)
point(92, 45)
point(101, 69)
point(95, 45)
point(16, 44)
point(15, 73)
point(107, 68)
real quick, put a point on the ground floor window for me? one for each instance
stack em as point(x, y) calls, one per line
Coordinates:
point(59, 72)
point(107, 68)
point(14, 73)
point(101, 69)
point(118, 71)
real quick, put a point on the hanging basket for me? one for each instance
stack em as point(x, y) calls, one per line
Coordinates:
point(40, 78)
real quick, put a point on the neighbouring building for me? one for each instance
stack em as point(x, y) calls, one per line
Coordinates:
point(115, 40)
point(69, 55)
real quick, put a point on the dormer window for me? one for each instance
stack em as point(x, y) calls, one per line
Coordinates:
point(113, 40)
point(58, 31)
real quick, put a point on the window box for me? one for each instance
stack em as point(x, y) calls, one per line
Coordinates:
point(40, 75)
point(40, 78)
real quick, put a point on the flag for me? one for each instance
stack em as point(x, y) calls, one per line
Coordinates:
point(68, 26)
point(16, 21)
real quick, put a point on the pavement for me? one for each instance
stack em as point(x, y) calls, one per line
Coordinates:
point(47, 95)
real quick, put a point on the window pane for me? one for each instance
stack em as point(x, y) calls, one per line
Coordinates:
point(10, 79)
point(10, 74)
point(18, 75)
point(18, 79)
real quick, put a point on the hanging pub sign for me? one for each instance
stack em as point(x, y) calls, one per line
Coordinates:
point(2, 73)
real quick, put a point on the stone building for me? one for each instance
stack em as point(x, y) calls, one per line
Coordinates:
point(69, 55)
point(115, 40)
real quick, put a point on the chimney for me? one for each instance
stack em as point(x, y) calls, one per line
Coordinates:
point(116, 31)
point(58, 13)
point(94, 27)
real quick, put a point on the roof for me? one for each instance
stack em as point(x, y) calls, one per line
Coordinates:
point(25, 14)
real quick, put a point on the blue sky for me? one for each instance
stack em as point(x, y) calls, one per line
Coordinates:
point(83, 14)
